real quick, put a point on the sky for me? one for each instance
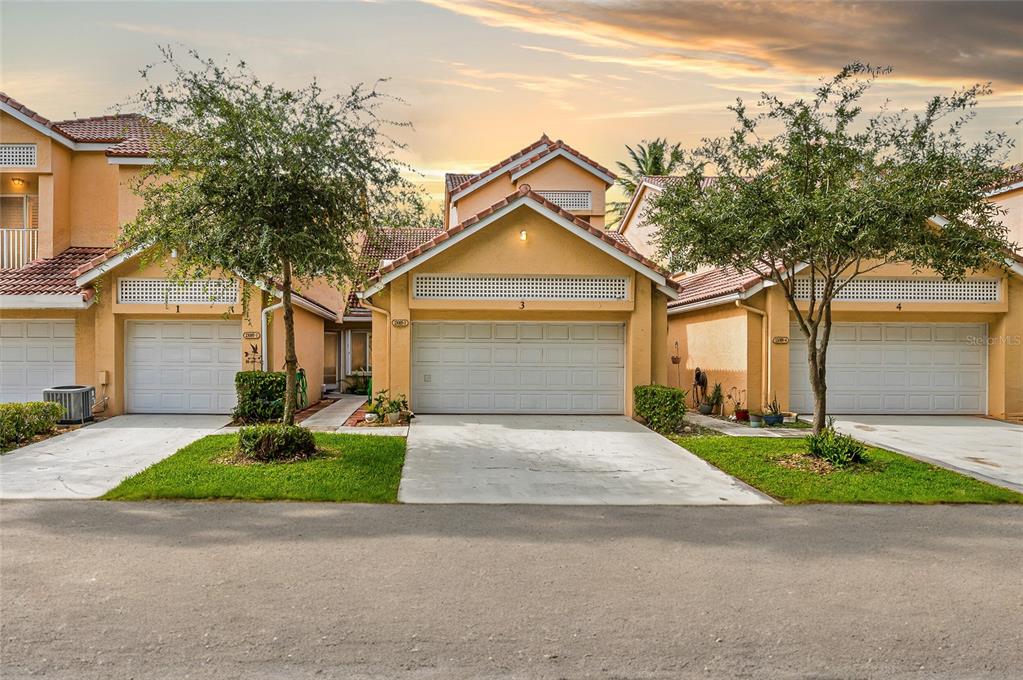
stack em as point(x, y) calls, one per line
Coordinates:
point(480, 79)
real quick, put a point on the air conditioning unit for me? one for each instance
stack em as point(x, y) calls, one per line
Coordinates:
point(77, 401)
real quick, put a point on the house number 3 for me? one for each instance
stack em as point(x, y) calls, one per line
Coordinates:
point(522, 304)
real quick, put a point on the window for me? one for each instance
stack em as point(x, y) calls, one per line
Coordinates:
point(570, 200)
point(17, 155)
point(19, 211)
point(359, 359)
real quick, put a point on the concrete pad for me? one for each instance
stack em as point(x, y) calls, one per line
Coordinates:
point(88, 462)
point(558, 460)
point(989, 450)
point(335, 415)
point(733, 429)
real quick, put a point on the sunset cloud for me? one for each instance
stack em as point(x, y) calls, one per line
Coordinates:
point(948, 44)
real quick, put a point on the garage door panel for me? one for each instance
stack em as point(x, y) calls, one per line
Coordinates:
point(35, 354)
point(181, 366)
point(915, 368)
point(525, 367)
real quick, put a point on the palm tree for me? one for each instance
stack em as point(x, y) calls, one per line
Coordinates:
point(655, 157)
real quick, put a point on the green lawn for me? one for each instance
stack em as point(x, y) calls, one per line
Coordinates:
point(353, 468)
point(886, 477)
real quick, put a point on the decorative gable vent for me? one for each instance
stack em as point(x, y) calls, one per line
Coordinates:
point(17, 155)
point(570, 200)
point(166, 291)
point(908, 290)
point(483, 287)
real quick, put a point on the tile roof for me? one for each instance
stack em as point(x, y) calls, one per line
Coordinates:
point(453, 179)
point(98, 258)
point(24, 110)
point(131, 133)
point(386, 244)
point(52, 276)
point(524, 191)
point(521, 153)
point(665, 181)
point(713, 283)
point(554, 148)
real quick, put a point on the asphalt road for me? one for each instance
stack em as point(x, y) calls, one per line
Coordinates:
point(287, 590)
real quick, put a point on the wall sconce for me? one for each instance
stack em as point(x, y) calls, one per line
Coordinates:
point(522, 235)
point(17, 181)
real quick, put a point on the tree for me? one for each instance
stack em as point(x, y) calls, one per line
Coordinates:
point(273, 185)
point(814, 186)
point(656, 157)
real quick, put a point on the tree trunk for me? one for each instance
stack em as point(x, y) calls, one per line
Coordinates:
point(290, 356)
point(817, 355)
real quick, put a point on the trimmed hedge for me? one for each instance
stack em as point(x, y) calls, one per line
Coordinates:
point(260, 396)
point(22, 421)
point(663, 408)
point(275, 442)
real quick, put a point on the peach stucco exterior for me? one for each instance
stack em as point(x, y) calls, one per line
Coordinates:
point(498, 249)
point(559, 174)
point(729, 342)
point(83, 201)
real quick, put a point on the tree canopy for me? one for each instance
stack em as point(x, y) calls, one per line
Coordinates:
point(274, 185)
point(818, 184)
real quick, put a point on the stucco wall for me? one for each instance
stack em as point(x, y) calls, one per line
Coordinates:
point(715, 340)
point(93, 206)
point(1013, 202)
point(556, 175)
point(497, 249)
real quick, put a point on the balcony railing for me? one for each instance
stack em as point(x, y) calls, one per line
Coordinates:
point(18, 247)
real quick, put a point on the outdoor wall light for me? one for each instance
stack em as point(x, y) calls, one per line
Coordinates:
point(522, 235)
point(17, 181)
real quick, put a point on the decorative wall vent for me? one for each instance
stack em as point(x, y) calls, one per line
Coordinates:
point(908, 290)
point(17, 155)
point(165, 291)
point(483, 287)
point(570, 200)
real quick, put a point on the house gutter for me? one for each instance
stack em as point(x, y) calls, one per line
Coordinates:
point(765, 352)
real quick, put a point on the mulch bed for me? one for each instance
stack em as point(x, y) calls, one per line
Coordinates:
point(801, 461)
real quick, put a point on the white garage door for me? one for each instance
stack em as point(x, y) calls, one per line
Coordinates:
point(181, 366)
point(897, 368)
point(518, 367)
point(35, 354)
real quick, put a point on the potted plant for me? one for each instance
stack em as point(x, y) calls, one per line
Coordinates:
point(738, 399)
point(755, 419)
point(394, 408)
point(711, 401)
point(717, 397)
point(774, 416)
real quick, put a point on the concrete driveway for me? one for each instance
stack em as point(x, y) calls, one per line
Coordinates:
point(90, 461)
point(557, 460)
point(990, 450)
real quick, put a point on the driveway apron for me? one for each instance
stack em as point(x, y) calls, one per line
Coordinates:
point(88, 462)
point(558, 460)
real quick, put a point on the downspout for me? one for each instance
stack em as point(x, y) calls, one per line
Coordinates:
point(387, 324)
point(266, 315)
point(765, 352)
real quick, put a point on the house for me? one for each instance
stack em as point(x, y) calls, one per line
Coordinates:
point(904, 342)
point(74, 309)
point(523, 302)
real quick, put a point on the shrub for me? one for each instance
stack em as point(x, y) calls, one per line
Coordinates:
point(260, 396)
point(663, 408)
point(21, 421)
point(838, 449)
point(275, 442)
